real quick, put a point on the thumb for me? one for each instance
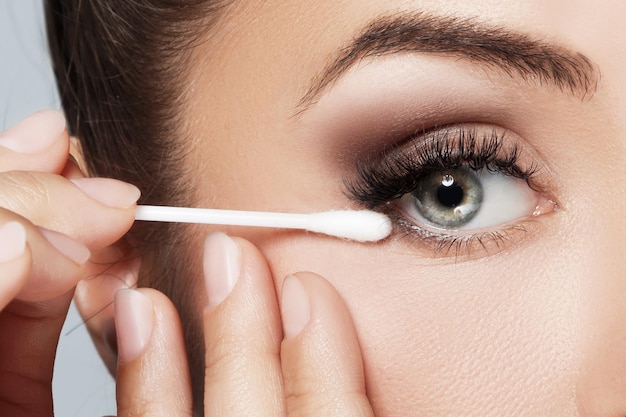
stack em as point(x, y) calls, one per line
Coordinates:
point(152, 375)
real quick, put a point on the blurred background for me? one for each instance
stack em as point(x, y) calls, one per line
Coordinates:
point(81, 385)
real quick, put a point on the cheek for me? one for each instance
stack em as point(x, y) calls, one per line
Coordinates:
point(489, 338)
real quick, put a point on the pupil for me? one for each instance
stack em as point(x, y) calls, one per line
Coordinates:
point(448, 200)
point(450, 195)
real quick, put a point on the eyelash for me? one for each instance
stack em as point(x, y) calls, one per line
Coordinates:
point(380, 182)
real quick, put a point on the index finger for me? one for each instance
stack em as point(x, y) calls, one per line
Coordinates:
point(38, 143)
point(321, 357)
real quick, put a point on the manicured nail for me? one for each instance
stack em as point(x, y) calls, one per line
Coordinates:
point(35, 133)
point(72, 249)
point(295, 307)
point(110, 192)
point(222, 266)
point(134, 320)
point(12, 241)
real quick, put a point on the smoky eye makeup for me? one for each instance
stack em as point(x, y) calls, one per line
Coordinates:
point(447, 151)
point(456, 189)
point(389, 99)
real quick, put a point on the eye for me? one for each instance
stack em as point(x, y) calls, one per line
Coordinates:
point(457, 188)
point(465, 199)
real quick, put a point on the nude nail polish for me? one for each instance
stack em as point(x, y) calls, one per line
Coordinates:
point(222, 266)
point(35, 133)
point(72, 249)
point(295, 307)
point(134, 322)
point(110, 192)
point(12, 241)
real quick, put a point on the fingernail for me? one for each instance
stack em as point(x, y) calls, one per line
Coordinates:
point(295, 307)
point(133, 323)
point(12, 241)
point(222, 266)
point(69, 247)
point(110, 192)
point(35, 133)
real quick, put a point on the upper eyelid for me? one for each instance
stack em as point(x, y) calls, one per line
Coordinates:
point(394, 164)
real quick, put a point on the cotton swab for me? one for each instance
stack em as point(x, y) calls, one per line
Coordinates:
point(358, 225)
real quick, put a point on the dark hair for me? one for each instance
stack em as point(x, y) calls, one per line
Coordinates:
point(119, 67)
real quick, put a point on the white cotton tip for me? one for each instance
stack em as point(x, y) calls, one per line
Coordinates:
point(361, 225)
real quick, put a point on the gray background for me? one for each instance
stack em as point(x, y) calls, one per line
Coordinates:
point(81, 385)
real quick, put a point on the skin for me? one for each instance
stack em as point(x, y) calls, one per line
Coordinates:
point(533, 328)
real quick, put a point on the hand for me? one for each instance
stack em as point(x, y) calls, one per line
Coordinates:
point(52, 220)
point(310, 366)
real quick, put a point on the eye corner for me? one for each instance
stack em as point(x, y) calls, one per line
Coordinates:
point(546, 205)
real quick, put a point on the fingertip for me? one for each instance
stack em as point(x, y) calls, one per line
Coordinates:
point(12, 241)
point(322, 366)
point(54, 119)
point(14, 261)
point(242, 334)
point(36, 133)
point(230, 263)
point(70, 248)
point(295, 307)
point(222, 266)
point(134, 321)
point(110, 192)
point(324, 301)
point(152, 370)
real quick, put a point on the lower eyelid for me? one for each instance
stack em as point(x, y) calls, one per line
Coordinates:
point(462, 246)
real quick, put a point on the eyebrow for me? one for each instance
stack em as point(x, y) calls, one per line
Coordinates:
point(516, 54)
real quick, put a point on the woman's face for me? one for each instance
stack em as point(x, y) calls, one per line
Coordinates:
point(501, 292)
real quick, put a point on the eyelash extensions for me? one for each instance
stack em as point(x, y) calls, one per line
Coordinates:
point(431, 188)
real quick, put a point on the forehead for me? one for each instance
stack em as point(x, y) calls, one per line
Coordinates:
point(258, 43)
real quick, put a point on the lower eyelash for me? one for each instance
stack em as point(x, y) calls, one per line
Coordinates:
point(457, 246)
